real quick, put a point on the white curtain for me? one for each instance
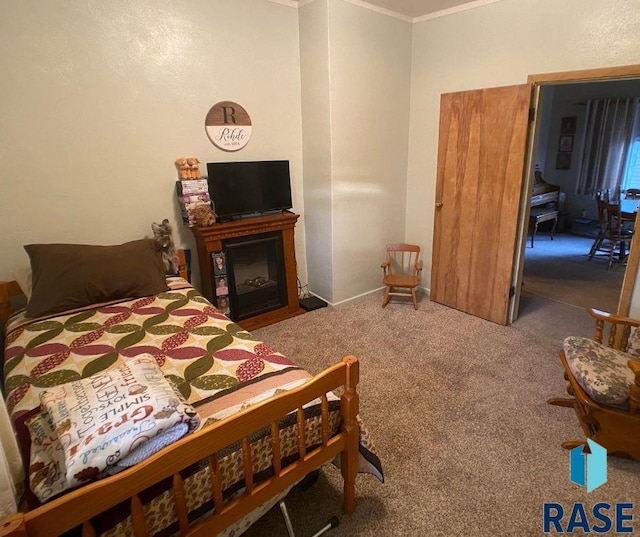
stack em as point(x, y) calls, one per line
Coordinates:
point(609, 130)
point(11, 472)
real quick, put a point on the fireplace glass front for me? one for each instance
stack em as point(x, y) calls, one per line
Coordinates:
point(255, 269)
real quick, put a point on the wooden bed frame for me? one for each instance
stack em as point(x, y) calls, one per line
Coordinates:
point(8, 290)
point(79, 506)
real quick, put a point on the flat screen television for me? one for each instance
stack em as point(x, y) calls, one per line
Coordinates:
point(249, 188)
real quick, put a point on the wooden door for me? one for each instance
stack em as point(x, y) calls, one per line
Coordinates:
point(481, 156)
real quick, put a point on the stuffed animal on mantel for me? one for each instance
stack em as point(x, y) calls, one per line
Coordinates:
point(163, 235)
point(184, 171)
point(188, 167)
point(194, 167)
point(204, 215)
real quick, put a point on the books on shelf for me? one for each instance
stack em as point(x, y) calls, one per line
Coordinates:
point(192, 186)
point(192, 193)
point(194, 198)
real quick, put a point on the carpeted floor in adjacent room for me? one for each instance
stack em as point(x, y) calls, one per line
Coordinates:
point(457, 408)
point(560, 270)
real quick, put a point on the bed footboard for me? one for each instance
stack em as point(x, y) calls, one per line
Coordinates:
point(78, 507)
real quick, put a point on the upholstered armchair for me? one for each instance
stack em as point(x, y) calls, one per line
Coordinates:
point(604, 382)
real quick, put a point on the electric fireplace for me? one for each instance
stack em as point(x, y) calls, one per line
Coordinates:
point(256, 277)
point(248, 268)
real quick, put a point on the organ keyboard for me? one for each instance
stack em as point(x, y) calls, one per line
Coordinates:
point(544, 205)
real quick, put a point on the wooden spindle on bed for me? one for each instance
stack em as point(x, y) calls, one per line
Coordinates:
point(349, 403)
point(180, 500)
point(248, 465)
point(302, 440)
point(275, 449)
point(216, 483)
point(87, 529)
point(137, 517)
point(324, 409)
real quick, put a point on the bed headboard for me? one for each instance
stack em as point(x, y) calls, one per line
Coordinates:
point(184, 270)
point(9, 290)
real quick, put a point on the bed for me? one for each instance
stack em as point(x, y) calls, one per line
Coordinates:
point(265, 422)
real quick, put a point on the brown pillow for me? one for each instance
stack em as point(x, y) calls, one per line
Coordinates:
point(67, 276)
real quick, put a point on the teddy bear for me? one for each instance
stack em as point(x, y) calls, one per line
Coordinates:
point(184, 171)
point(204, 215)
point(194, 168)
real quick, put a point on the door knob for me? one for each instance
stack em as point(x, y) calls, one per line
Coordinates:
point(439, 205)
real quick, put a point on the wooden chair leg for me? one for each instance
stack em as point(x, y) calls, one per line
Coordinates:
point(385, 300)
point(613, 247)
point(413, 297)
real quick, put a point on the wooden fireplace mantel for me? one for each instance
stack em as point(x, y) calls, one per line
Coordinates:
point(210, 239)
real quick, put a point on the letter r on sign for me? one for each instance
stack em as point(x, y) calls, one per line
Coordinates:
point(229, 113)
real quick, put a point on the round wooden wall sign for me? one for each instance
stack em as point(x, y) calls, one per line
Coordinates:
point(228, 126)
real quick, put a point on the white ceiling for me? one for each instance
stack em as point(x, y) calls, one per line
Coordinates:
point(417, 8)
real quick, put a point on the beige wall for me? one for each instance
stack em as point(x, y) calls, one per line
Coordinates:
point(99, 98)
point(356, 75)
point(370, 86)
point(496, 45)
point(316, 137)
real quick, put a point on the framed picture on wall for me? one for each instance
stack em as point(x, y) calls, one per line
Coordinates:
point(568, 125)
point(566, 144)
point(563, 161)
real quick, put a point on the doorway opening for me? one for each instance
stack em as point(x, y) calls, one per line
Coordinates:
point(560, 268)
point(486, 159)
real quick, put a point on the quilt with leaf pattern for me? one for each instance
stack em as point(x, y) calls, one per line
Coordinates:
point(217, 366)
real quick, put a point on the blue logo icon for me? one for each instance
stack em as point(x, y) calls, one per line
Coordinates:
point(588, 470)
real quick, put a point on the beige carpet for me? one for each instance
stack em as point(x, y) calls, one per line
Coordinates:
point(456, 407)
point(559, 270)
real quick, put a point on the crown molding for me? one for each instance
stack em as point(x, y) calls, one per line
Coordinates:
point(394, 14)
point(378, 9)
point(290, 3)
point(359, 3)
point(452, 10)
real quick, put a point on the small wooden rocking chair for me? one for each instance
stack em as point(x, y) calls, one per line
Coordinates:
point(604, 385)
point(401, 269)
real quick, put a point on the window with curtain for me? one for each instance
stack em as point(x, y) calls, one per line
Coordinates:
point(631, 175)
point(611, 146)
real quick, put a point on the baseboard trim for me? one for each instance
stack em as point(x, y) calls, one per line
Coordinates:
point(421, 290)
